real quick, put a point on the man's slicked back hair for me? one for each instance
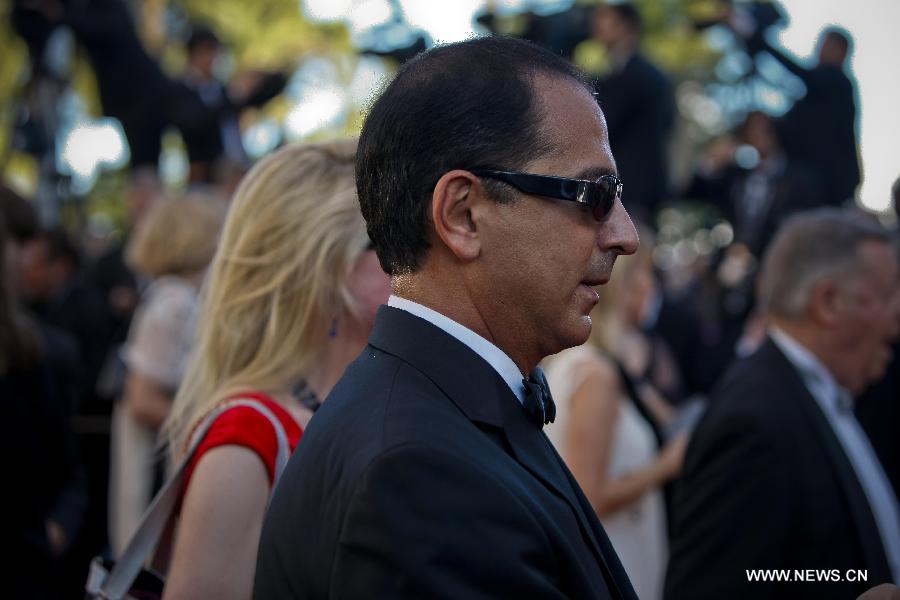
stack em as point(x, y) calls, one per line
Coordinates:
point(467, 105)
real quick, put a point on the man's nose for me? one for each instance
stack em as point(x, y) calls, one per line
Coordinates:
point(618, 232)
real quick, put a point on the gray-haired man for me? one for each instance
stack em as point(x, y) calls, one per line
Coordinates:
point(779, 474)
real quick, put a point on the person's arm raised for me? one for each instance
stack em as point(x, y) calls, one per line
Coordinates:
point(787, 62)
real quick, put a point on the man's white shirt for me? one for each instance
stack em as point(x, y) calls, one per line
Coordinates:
point(497, 358)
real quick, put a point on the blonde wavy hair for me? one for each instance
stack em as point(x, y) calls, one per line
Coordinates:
point(177, 236)
point(293, 233)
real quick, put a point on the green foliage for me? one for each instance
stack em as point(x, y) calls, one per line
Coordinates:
point(13, 72)
point(267, 33)
point(274, 34)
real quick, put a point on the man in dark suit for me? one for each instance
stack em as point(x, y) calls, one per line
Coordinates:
point(820, 128)
point(779, 474)
point(426, 473)
point(218, 138)
point(756, 198)
point(637, 101)
point(878, 409)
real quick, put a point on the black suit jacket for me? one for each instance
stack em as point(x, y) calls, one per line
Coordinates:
point(878, 411)
point(422, 477)
point(793, 189)
point(766, 485)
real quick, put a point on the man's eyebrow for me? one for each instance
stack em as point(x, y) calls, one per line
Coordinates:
point(594, 173)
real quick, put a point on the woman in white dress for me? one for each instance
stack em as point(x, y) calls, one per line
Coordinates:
point(602, 434)
point(171, 247)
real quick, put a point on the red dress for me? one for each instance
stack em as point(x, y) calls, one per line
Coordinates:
point(247, 427)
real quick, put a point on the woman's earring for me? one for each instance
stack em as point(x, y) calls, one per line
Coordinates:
point(333, 331)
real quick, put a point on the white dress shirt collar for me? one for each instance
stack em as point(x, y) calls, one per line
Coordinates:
point(816, 376)
point(836, 404)
point(497, 358)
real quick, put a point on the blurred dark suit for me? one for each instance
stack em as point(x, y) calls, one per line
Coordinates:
point(820, 129)
point(79, 310)
point(766, 485)
point(757, 201)
point(878, 411)
point(680, 327)
point(216, 133)
point(639, 108)
point(132, 86)
point(45, 481)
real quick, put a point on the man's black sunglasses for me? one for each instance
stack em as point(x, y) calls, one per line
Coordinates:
point(599, 195)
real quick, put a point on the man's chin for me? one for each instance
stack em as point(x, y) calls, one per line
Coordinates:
point(876, 373)
point(576, 335)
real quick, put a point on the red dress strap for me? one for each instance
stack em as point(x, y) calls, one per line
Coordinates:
point(246, 427)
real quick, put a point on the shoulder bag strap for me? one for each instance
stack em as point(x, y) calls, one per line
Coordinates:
point(284, 448)
point(153, 524)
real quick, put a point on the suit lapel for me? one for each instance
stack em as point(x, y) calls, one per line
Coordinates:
point(446, 361)
point(457, 371)
point(533, 451)
point(860, 511)
point(614, 569)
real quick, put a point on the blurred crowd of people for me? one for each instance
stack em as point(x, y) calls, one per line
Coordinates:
point(746, 419)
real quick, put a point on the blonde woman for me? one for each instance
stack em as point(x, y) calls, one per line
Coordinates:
point(605, 422)
point(171, 248)
point(289, 303)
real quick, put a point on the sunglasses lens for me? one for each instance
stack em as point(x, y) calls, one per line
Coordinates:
point(604, 196)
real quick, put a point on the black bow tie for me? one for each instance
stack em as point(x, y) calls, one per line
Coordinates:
point(538, 402)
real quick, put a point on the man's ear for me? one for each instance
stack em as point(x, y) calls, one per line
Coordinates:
point(825, 302)
point(451, 212)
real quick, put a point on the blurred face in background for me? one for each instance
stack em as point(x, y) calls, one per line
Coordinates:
point(43, 277)
point(869, 317)
point(369, 286)
point(203, 59)
point(37, 271)
point(609, 28)
point(832, 50)
point(759, 132)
